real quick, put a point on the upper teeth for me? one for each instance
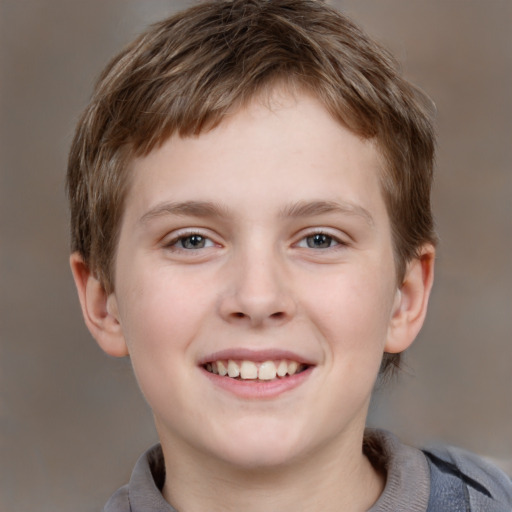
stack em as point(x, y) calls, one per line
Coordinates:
point(267, 370)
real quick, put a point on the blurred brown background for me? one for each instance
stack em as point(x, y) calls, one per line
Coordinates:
point(72, 421)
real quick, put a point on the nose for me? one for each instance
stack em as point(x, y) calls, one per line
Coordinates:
point(257, 291)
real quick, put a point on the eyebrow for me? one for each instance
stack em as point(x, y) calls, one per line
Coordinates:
point(185, 209)
point(313, 208)
point(204, 209)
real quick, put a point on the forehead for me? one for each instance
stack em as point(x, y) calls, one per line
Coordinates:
point(277, 145)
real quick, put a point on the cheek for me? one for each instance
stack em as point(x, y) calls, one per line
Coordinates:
point(354, 314)
point(158, 323)
point(155, 313)
point(163, 311)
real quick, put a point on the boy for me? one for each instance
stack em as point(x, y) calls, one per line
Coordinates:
point(251, 224)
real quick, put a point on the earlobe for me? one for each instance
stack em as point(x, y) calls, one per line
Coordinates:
point(99, 309)
point(411, 301)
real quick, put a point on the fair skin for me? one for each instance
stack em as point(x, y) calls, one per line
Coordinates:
point(264, 242)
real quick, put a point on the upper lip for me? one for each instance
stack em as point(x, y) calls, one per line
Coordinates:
point(257, 356)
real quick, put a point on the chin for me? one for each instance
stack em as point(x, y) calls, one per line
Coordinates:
point(257, 448)
point(254, 458)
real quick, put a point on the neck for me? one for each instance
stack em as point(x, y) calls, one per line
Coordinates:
point(328, 480)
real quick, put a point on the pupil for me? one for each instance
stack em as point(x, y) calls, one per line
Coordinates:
point(319, 240)
point(193, 242)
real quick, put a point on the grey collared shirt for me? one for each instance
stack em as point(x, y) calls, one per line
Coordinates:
point(416, 481)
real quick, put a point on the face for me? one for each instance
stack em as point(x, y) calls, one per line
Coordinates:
point(255, 284)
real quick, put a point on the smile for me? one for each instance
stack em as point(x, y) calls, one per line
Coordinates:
point(250, 370)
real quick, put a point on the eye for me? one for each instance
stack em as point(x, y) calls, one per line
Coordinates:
point(318, 241)
point(191, 242)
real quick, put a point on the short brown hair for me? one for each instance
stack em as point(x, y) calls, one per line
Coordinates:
point(187, 72)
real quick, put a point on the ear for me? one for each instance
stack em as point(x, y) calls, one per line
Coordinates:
point(99, 309)
point(411, 301)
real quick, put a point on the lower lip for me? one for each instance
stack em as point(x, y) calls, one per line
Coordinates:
point(259, 389)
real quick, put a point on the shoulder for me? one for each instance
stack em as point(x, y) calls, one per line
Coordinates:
point(143, 492)
point(407, 473)
point(435, 479)
point(483, 486)
point(118, 502)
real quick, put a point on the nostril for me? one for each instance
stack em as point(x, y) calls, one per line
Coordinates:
point(239, 314)
point(279, 314)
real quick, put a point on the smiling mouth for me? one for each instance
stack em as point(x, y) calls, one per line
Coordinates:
point(249, 370)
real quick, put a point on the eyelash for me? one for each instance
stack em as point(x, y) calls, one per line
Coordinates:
point(304, 241)
point(183, 237)
point(329, 238)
